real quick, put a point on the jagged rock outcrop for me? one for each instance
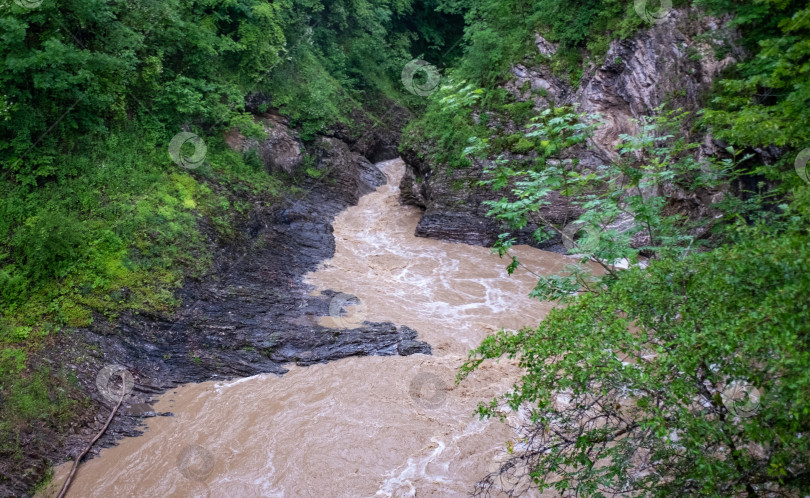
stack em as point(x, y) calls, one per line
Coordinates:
point(281, 151)
point(373, 130)
point(374, 133)
point(354, 175)
point(454, 204)
point(326, 157)
point(670, 63)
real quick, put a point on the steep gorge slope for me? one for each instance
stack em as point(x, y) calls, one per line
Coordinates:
point(673, 64)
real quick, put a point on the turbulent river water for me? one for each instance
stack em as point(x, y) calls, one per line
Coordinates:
point(362, 426)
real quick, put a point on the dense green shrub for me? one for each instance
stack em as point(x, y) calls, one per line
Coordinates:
point(764, 101)
point(48, 245)
point(501, 32)
point(684, 375)
point(74, 70)
point(686, 378)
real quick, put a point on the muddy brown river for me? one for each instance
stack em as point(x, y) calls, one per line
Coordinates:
point(362, 426)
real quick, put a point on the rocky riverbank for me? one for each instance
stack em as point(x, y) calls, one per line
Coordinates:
point(251, 314)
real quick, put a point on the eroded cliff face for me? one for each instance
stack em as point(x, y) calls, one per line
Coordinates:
point(672, 63)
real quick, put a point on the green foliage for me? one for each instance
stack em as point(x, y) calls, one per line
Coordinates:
point(447, 124)
point(644, 403)
point(630, 189)
point(641, 404)
point(501, 32)
point(12, 361)
point(32, 396)
point(248, 126)
point(92, 95)
point(72, 72)
point(110, 61)
point(138, 236)
point(766, 102)
point(48, 245)
point(42, 395)
point(457, 113)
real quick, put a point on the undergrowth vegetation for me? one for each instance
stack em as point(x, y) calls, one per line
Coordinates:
point(689, 377)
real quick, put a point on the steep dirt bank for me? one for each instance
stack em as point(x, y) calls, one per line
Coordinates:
point(672, 63)
point(251, 314)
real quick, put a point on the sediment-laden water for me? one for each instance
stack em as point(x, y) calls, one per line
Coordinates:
point(362, 426)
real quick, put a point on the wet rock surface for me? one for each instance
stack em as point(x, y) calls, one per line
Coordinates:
point(254, 314)
point(376, 133)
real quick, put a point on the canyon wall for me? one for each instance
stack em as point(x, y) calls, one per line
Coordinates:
point(672, 63)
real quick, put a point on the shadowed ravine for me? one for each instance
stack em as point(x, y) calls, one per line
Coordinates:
point(360, 426)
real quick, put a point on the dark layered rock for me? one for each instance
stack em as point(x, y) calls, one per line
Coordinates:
point(353, 174)
point(469, 228)
point(374, 132)
point(455, 208)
